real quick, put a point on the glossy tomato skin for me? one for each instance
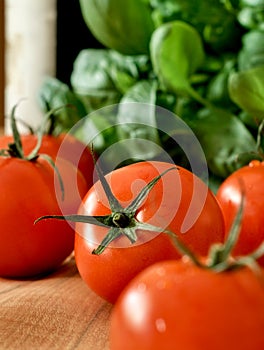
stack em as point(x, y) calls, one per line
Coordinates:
point(166, 206)
point(109, 273)
point(75, 187)
point(64, 146)
point(30, 190)
point(176, 305)
point(70, 148)
point(251, 179)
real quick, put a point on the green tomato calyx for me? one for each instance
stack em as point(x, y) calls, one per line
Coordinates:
point(15, 149)
point(121, 221)
point(220, 256)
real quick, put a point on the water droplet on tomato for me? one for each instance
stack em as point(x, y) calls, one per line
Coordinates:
point(160, 325)
point(141, 287)
point(161, 271)
point(161, 284)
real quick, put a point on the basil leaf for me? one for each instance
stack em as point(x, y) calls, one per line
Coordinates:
point(53, 94)
point(176, 52)
point(247, 91)
point(91, 80)
point(123, 26)
point(252, 53)
point(137, 120)
point(101, 76)
point(226, 141)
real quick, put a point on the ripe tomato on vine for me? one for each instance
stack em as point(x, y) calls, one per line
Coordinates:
point(126, 220)
point(31, 186)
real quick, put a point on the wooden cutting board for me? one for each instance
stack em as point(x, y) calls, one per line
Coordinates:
point(55, 312)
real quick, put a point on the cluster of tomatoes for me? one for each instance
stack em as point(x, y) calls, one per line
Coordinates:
point(213, 302)
point(148, 237)
point(165, 301)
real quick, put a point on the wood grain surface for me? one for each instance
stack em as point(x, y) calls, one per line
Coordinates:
point(55, 312)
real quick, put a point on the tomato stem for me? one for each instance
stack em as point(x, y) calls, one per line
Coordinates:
point(15, 149)
point(136, 203)
point(114, 204)
point(221, 252)
point(121, 221)
point(259, 139)
point(113, 234)
point(51, 129)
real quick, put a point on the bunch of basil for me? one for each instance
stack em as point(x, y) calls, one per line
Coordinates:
point(202, 60)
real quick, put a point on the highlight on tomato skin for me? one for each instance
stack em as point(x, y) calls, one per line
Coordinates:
point(228, 195)
point(178, 305)
point(166, 205)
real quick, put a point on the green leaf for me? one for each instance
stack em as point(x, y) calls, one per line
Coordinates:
point(91, 80)
point(137, 120)
point(252, 53)
point(251, 15)
point(122, 26)
point(214, 20)
point(217, 88)
point(101, 76)
point(176, 52)
point(53, 94)
point(224, 139)
point(247, 91)
point(99, 129)
point(126, 70)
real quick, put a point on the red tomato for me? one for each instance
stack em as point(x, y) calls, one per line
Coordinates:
point(166, 206)
point(65, 146)
point(177, 305)
point(251, 177)
point(28, 192)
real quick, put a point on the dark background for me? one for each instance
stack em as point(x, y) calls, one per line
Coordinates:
point(72, 36)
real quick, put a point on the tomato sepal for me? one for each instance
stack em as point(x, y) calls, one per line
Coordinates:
point(220, 254)
point(121, 221)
